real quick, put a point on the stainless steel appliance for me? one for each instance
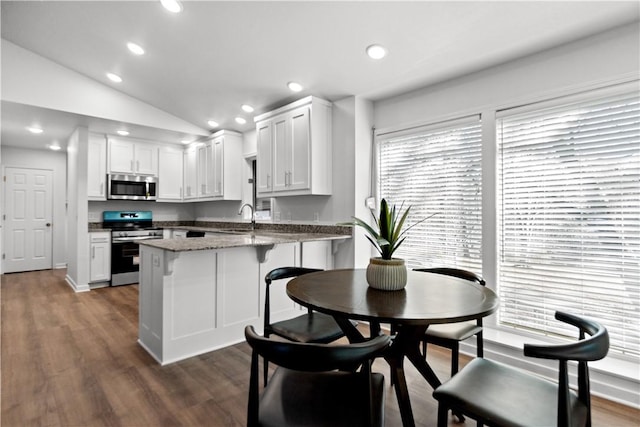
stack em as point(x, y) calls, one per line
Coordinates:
point(127, 229)
point(132, 187)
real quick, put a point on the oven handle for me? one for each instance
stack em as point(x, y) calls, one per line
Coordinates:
point(133, 239)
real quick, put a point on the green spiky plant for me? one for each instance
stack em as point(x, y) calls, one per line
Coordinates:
point(389, 234)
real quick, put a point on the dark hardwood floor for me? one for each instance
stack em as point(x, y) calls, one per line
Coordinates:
point(72, 360)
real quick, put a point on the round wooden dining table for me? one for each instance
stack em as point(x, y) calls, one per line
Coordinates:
point(427, 299)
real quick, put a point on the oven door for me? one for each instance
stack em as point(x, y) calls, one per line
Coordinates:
point(125, 262)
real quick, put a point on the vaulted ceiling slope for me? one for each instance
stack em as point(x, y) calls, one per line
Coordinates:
point(205, 62)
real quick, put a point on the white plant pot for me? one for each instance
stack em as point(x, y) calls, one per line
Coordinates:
point(387, 274)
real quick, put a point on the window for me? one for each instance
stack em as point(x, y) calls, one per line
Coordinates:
point(569, 214)
point(436, 169)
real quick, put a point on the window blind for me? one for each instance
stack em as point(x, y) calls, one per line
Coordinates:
point(569, 216)
point(436, 169)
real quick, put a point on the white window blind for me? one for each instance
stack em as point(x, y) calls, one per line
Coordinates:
point(436, 170)
point(569, 217)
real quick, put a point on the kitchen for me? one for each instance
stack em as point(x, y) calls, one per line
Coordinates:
point(551, 68)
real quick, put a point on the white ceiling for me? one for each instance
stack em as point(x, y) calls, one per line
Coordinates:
point(207, 61)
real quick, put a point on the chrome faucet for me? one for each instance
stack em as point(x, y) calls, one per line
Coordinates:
point(253, 214)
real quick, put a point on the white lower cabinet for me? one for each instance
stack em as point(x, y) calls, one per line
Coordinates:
point(100, 257)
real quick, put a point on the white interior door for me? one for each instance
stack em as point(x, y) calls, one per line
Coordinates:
point(27, 220)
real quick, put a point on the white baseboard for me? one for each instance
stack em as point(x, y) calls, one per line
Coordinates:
point(75, 286)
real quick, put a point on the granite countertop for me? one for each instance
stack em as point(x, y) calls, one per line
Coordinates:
point(231, 239)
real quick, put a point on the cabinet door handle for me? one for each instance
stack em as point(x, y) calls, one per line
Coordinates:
point(93, 252)
point(137, 165)
point(132, 165)
point(181, 192)
point(268, 181)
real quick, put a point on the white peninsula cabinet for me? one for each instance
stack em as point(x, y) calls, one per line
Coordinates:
point(127, 156)
point(196, 301)
point(97, 170)
point(294, 149)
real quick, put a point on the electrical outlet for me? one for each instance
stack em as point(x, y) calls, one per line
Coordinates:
point(276, 216)
point(370, 202)
point(316, 217)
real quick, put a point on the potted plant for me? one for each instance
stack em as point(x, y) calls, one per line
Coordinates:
point(385, 272)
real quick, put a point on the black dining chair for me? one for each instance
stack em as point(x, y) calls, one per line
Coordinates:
point(316, 384)
point(499, 395)
point(311, 327)
point(451, 334)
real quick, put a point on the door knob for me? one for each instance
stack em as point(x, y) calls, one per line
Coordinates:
point(48, 224)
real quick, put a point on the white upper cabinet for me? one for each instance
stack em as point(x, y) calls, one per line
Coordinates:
point(170, 165)
point(294, 149)
point(264, 171)
point(213, 168)
point(97, 170)
point(132, 157)
point(222, 177)
point(190, 172)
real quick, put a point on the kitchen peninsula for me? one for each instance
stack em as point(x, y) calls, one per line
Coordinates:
point(198, 294)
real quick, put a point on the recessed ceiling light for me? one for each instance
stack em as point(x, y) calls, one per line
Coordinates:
point(172, 5)
point(135, 48)
point(247, 108)
point(114, 77)
point(185, 141)
point(295, 87)
point(55, 146)
point(213, 123)
point(375, 51)
point(123, 132)
point(33, 129)
point(240, 120)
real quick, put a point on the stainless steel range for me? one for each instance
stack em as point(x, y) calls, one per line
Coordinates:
point(127, 229)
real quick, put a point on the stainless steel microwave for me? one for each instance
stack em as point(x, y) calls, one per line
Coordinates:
point(132, 187)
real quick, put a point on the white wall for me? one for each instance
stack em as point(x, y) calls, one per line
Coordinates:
point(77, 210)
point(564, 69)
point(57, 163)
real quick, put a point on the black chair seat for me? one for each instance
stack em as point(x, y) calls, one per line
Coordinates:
point(309, 328)
point(450, 335)
point(454, 331)
point(320, 399)
point(501, 396)
point(505, 396)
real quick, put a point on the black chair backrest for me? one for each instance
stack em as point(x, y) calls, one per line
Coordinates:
point(287, 272)
point(315, 357)
point(455, 272)
point(595, 346)
point(277, 274)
